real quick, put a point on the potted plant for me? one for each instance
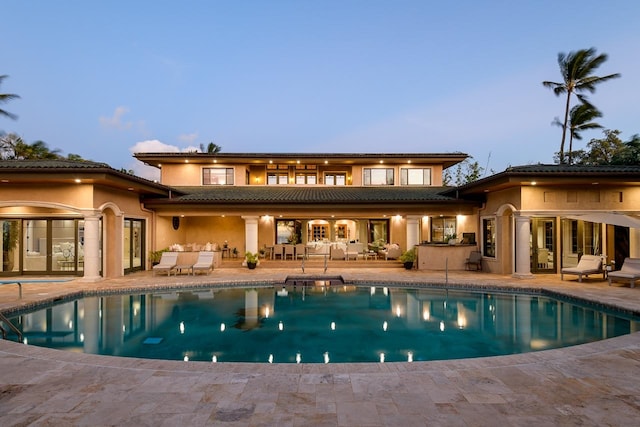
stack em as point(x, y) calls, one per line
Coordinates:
point(451, 239)
point(154, 256)
point(408, 258)
point(251, 259)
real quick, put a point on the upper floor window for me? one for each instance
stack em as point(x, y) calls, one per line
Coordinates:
point(303, 178)
point(378, 176)
point(217, 176)
point(415, 176)
point(279, 178)
point(331, 178)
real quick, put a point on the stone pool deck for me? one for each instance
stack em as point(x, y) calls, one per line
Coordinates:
point(594, 384)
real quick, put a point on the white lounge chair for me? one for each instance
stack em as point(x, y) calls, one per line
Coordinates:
point(630, 271)
point(167, 262)
point(203, 263)
point(588, 264)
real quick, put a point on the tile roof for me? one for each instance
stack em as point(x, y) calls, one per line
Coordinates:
point(52, 164)
point(276, 194)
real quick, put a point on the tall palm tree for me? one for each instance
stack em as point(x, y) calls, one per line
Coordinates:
point(4, 97)
point(581, 118)
point(577, 74)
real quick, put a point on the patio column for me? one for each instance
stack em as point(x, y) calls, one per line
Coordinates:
point(251, 233)
point(523, 237)
point(413, 230)
point(91, 249)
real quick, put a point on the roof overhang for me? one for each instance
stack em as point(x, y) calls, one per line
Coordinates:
point(444, 159)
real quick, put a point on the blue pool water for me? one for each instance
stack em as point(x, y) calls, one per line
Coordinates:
point(317, 323)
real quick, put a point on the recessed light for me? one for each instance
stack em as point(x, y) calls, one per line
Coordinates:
point(77, 180)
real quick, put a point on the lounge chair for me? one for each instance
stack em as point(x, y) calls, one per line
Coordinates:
point(588, 264)
point(203, 263)
point(167, 262)
point(475, 260)
point(630, 271)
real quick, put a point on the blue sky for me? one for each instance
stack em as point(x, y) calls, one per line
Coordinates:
point(104, 79)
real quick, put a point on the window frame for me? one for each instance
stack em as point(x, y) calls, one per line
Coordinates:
point(367, 176)
point(405, 176)
point(229, 175)
point(489, 237)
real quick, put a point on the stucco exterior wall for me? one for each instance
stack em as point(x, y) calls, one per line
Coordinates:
point(580, 198)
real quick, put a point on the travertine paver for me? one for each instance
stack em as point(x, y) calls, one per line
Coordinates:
point(591, 385)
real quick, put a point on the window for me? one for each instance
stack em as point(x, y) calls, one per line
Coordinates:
point(277, 178)
point(415, 176)
point(378, 176)
point(302, 178)
point(217, 176)
point(489, 237)
point(319, 232)
point(335, 179)
point(443, 228)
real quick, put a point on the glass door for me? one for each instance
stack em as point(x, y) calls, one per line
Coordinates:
point(10, 249)
point(543, 245)
point(133, 245)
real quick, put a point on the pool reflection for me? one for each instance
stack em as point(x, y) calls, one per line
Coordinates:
point(317, 322)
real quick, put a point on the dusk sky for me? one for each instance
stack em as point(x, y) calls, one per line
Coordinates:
point(106, 79)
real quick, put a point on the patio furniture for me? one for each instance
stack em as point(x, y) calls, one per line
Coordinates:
point(630, 271)
point(278, 251)
point(167, 262)
point(203, 263)
point(353, 250)
point(338, 253)
point(289, 251)
point(392, 251)
point(474, 260)
point(588, 264)
point(543, 258)
point(301, 251)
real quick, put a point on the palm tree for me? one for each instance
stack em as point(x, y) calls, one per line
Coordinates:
point(576, 69)
point(4, 97)
point(211, 148)
point(580, 119)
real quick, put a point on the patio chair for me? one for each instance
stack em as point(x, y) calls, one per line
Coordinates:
point(289, 251)
point(475, 260)
point(354, 249)
point(392, 251)
point(630, 271)
point(203, 263)
point(588, 264)
point(338, 253)
point(301, 251)
point(278, 251)
point(167, 262)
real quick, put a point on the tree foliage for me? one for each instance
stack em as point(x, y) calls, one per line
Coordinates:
point(211, 148)
point(577, 70)
point(465, 172)
point(13, 147)
point(4, 97)
point(610, 150)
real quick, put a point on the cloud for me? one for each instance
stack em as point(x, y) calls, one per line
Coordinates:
point(150, 146)
point(115, 121)
point(154, 146)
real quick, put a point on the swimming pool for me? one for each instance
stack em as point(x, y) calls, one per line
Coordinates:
point(317, 322)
